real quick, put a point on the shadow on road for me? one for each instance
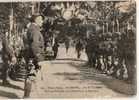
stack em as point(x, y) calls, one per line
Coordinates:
point(71, 59)
point(111, 83)
point(8, 95)
point(69, 75)
point(12, 86)
point(66, 61)
point(56, 62)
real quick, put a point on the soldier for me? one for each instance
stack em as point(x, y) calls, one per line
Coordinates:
point(67, 44)
point(55, 48)
point(88, 51)
point(130, 52)
point(79, 48)
point(119, 52)
point(7, 57)
point(91, 49)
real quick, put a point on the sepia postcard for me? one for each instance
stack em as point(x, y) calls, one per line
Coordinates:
point(68, 49)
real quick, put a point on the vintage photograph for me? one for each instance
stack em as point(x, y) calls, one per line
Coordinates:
point(68, 49)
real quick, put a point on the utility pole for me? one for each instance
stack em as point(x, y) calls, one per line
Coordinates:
point(38, 10)
point(33, 8)
point(103, 27)
point(113, 24)
point(118, 26)
point(107, 26)
point(11, 22)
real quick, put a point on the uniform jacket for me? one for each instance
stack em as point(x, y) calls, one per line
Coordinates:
point(35, 41)
point(7, 51)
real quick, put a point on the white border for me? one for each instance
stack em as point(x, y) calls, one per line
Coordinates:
point(137, 41)
point(53, 0)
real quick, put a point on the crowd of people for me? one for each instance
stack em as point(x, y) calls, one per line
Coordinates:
point(113, 53)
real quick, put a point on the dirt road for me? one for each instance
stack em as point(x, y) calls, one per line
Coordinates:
point(69, 77)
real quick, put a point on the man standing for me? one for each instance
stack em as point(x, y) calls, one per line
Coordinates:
point(34, 47)
point(67, 44)
point(7, 57)
point(34, 41)
point(79, 48)
point(55, 49)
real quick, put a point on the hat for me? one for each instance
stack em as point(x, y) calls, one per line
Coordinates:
point(34, 16)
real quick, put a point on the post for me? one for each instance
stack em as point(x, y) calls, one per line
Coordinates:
point(117, 25)
point(38, 7)
point(113, 23)
point(107, 26)
point(33, 8)
point(103, 27)
point(11, 21)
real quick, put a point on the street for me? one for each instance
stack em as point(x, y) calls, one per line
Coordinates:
point(68, 77)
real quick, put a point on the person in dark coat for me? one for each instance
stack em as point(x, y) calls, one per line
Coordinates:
point(55, 49)
point(67, 44)
point(91, 50)
point(34, 47)
point(79, 48)
point(7, 57)
point(34, 41)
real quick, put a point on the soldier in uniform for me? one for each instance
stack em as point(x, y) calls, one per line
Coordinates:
point(91, 49)
point(130, 52)
point(55, 49)
point(67, 44)
point(7, 57)
point(79, 48)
